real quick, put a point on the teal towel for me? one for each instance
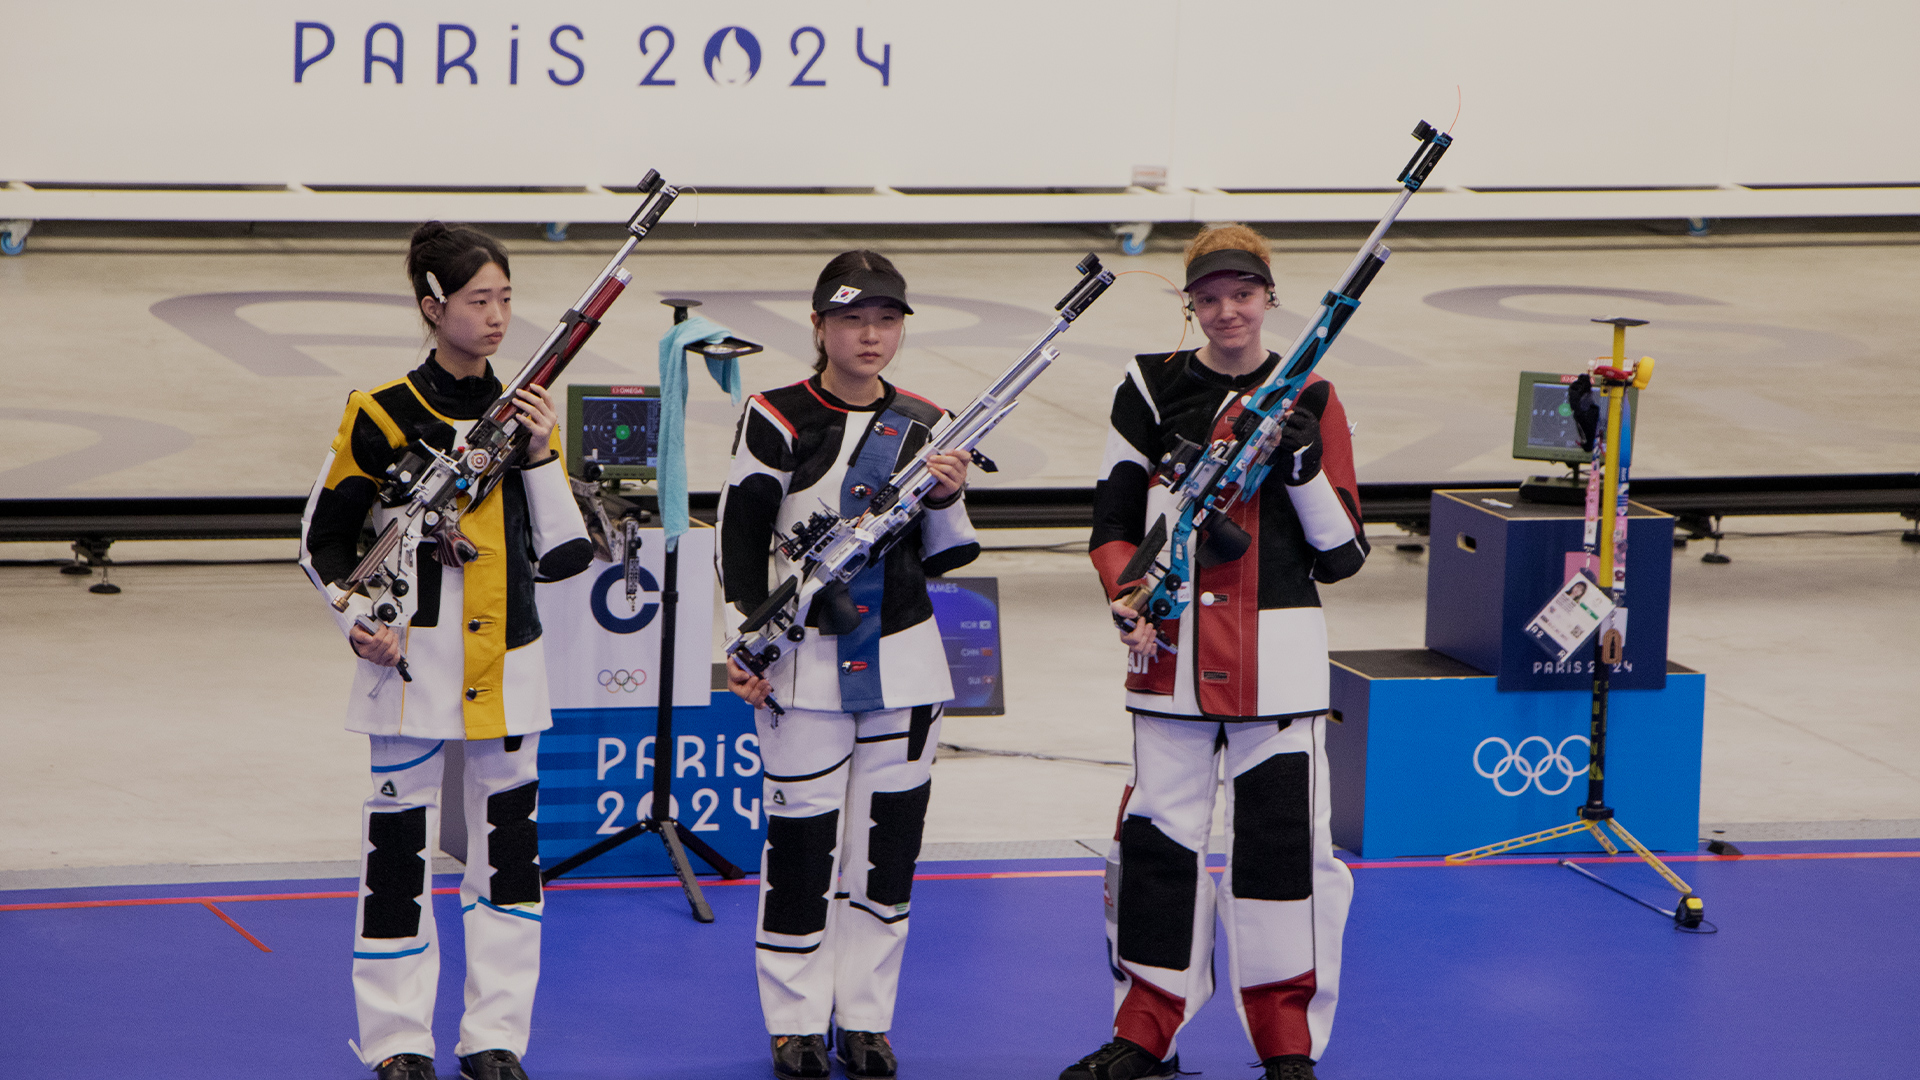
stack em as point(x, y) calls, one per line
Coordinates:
point(672, 473)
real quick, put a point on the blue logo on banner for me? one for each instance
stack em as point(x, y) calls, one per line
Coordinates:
point(729, 74)
point(602, 614)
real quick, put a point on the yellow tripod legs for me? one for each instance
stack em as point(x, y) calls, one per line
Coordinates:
point(1596, 817)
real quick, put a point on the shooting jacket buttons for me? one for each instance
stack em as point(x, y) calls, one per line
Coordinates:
point(475, 627)
point(472, 693)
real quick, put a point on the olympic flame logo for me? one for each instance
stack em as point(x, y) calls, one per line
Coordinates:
point(1533, 769)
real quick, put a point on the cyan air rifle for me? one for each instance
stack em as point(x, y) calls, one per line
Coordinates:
point(831, 549)
point(426, 486)
point(1207, 480)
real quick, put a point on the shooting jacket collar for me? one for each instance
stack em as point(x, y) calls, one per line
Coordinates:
point(1200, 372)
point(456, 399)
point(874, 406)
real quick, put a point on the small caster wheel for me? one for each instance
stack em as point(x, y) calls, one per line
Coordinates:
point(1133, 236)
point(13, 237)
point(555, 231)
point(1699, 226)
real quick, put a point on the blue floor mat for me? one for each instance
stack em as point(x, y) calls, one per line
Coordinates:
point(1518, 970)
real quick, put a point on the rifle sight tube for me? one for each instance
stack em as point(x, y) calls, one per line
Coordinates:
point(1364, 275)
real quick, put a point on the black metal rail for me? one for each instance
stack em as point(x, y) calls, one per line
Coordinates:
point(1695, 500)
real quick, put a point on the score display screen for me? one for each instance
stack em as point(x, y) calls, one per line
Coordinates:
point(1543, 425)
point(1550, 421)
point(620, 431)
point(967, 610)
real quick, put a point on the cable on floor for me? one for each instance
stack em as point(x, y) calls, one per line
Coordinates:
point(958, 749)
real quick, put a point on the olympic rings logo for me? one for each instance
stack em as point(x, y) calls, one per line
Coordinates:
point(617, 681)
point(1532, 772)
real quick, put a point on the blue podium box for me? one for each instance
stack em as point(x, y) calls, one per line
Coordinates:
point(1430, 758)
point(1495, 561)
point(596, 778)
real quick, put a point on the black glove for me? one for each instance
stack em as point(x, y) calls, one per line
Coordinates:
point(1298, 458)
point(1586, 411)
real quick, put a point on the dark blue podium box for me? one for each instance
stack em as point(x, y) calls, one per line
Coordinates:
point(596, 778)
point(1430, 759)
point(1496, 560)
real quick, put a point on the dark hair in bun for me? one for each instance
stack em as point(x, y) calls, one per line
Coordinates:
point(453, 253)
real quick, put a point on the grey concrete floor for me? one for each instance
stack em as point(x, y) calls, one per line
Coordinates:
point(195, 718)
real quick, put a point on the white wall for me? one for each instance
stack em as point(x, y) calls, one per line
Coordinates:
point(993, 93)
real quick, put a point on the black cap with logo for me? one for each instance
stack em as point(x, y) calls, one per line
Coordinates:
point(1244, 263)
point(859, 286)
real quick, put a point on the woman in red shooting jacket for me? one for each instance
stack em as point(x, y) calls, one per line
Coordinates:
point(1247, 690)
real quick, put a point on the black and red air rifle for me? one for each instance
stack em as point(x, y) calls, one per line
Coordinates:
point(426, 486)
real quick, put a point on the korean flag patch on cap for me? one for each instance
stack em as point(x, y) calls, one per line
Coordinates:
point(844, 295)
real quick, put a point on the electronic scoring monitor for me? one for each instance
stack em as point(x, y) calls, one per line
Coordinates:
point(1543, 427)
point(614, 427)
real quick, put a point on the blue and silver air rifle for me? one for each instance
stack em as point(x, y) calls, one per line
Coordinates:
point(1207, 480)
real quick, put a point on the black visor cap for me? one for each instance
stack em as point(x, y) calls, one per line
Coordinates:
point(1234, 259)
point(858, 286)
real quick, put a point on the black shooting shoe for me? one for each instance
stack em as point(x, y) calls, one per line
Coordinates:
point(492, 1065)
point(1289, 1067)
point(1122, 1060)
point(405, 1067)
point(800, 1057)
point(865, 1055)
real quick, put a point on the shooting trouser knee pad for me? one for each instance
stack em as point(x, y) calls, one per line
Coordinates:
point(1282, 901)
point(396, 963)
point(846, 797)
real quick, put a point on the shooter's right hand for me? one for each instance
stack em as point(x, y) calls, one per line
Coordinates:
point(747, 686)
point(1142, 639)
point(382, 648)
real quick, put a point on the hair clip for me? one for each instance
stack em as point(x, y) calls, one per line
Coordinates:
point(433, 286)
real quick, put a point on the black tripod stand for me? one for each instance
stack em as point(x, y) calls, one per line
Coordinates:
point(660, 820)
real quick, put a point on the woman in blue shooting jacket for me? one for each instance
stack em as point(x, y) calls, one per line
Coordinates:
point(849, 764)
point(477, 674)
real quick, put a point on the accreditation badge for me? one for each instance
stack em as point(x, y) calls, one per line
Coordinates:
point(1571, 617)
